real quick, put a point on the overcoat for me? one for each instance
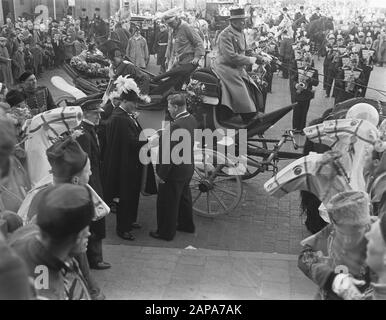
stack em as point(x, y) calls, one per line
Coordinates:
point(90, 144)
point(5, 67)
point(229, 66)
point(138, 51)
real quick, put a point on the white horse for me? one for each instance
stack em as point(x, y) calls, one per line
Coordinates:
point(42, 132)
point(320, 174)
point(356, 140)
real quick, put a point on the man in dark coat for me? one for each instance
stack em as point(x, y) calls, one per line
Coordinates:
point(316, 15)
point(305, 79)
point(349, 81)
point(38, 98)
point(98, 28)
point(286, 52)
point(367, 59)
point(174, 201)
point(121, 35)
point(123, 67)
point(90, 144)
point(160, 45)
point(300, 14)
point(84, 22)
point(122, 169)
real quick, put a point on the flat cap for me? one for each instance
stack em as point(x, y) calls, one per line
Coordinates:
point(92, 105)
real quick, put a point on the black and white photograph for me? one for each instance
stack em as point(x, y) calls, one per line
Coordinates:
point(201, 153)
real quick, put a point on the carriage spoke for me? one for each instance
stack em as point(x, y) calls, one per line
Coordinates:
point(224, 179)
point(226, 191)
point(218, 199)
point(199, 173)
point(208, 202)
point(198, 196)
point(196, 179)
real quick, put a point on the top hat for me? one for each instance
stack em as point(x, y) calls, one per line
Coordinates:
point(237, 14)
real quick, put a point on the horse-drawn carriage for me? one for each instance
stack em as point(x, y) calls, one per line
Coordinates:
point(219, 168)
point(238, 152)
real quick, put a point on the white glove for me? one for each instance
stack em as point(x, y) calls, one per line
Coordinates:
point(344, 285)
point(111, 73)
point(255, 67)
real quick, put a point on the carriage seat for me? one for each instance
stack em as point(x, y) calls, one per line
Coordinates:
point(205, 76)
point(233, 123)
point(155, 104)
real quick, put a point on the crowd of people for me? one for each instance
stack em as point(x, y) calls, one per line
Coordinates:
point(93, 161)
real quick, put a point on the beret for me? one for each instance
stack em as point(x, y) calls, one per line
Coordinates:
point(14, 97)
point(64, 209)
point(25, 76)
point(66, 157)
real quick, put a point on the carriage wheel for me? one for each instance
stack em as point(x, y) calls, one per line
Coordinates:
point(63, 100)
point(216, 185)
point(252, 168)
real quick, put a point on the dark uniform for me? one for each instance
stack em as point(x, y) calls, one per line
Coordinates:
point(294, 64)
point(330, 65)
point(160, 46)
point(122, 169)
point(85, 24)
point(98, 28)
point(174, 201)
point(366, 58)
point(308, 76)
point(90, 144)
point(39, 100)
point(349, 83)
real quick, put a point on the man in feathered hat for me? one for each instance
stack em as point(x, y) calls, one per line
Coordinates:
point(122, 168)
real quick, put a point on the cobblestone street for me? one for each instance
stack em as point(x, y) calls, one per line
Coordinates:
point(249, 254)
